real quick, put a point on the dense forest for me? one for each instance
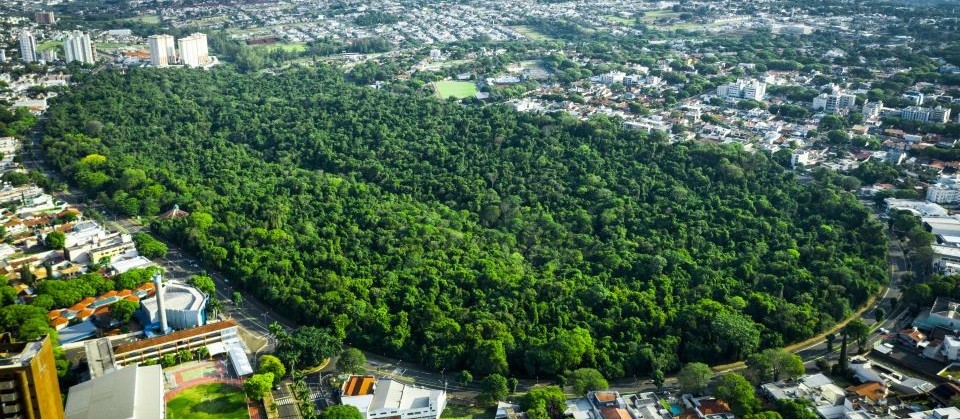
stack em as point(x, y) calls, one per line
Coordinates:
point(472, 237)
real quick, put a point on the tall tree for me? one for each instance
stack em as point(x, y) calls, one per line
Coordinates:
point(736, 390)
point(694, 377)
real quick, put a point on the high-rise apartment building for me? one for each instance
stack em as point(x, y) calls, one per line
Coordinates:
point(193, 50)
point(28, 47)
point(163, 51)
point(835, 103)
point(742, 89)
point(28, 380)
point(44, 18)
point(77, 47)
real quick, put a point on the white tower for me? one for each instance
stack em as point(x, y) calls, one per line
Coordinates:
point(163, 52)
point(28, 47)
point(77, 47)
point(161, 308)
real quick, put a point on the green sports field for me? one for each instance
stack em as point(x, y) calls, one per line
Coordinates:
point(209, 401)
point(455, 89)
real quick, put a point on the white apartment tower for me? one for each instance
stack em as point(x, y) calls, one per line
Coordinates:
point(28, 47)
point(835, 103)
point(193, 50)
point(163, 51)
point(742, 89)
point(77, 47)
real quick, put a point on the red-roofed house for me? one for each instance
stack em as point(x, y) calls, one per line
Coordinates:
point(912, 337)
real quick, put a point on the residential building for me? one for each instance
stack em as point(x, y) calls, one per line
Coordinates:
point(162, 50)
point(945, 191)
point(609, 405)
point(946, 260)
point(386, 398)
point(871, 110)
point(818, 389)
point(193, 50)
point(28, 380)
point(939, 115)
point(912, 337)
point(835, 102)
point(702, 408)
point(28, 47)
point(44, 18)
point(742, 89)
point(77, 47)
point(133, 392)
point(941, 413)
point(49, 56)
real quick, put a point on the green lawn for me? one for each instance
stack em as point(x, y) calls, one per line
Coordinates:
point(149, 19)
point(49, 46)
point(618, 19)
point(459, 411)
point(456, 89)
point(209, 401)
point(286, 46)
point(530, 33)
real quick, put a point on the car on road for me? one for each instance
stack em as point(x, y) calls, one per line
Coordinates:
point(884, 331)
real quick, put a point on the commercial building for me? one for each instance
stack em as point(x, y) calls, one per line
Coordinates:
point(835, 102)
point(132, 392)
point(193, 50)
point(742, 89)
point(28, 380)
point(77, 47)
point(162, 50)
point(391, 399)
point(28, 47)
point(44, 18)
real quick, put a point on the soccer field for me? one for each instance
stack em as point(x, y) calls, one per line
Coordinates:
point(456, 89)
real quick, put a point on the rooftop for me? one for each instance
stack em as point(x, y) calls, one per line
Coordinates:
point(394, 395)
point(178, 297)
point(175, 336)
point(359, 385)
point(132, 392)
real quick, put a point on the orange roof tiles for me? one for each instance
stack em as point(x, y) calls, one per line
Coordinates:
point(872, 390)
point(605, 396)
point(58, 321)
point(84, 314)
point(132, 298)
point(101, 311)
point(614, 413)
point(52, 314)
point(108, 294)
point(359, 385)
point(124, 293)
point(711, 407)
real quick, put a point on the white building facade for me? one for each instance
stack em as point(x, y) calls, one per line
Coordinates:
point(28, 47)
point(163, 50)
point(193, 50)
point(77, 47)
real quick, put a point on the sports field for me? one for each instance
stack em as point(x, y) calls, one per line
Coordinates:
point(209, 401)
point(455, 89)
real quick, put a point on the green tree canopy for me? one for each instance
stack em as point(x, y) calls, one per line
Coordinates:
point(341, 411)
point(736, 390)
point(352, 360)
point(694, 377)
point(258, 385)
point(272, 364)
point(586, 379)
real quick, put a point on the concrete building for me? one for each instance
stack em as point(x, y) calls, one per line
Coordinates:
point(941, 413)
point(945, 313)
point(392, 399)
point(742, 89)
point(77, 47)
point(28, 380)
point(28, 47)
point(178, 305)
point(938, 115)
point(44, 18)
point(946, 260)
point(132, 392)
point(219, 338)
point(945, 191)
point(49, 56)
point(162, 50)
point(871, 110)
point(835, 102)
point(193, 50)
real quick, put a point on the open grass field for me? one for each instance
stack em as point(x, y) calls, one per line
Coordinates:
point(149, 19)
point(209, 401)
point(459, 411)
point(530, 33)
point(456, 89)
point(285, 46)
point(49, 46)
